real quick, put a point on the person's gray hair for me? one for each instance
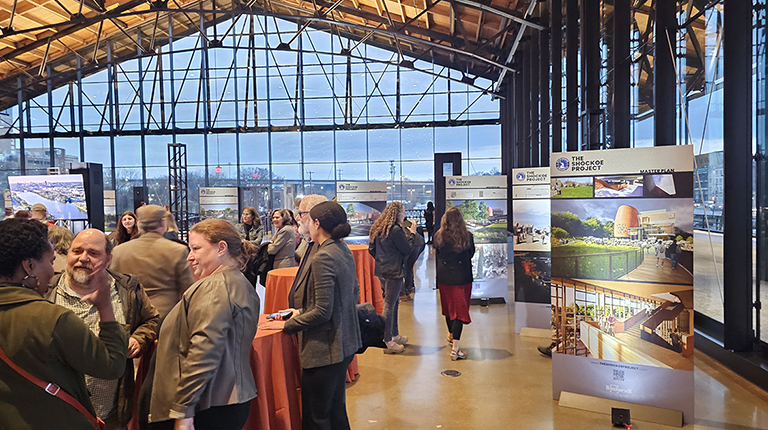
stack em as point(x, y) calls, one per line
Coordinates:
point(313, 200)
point(61, 239)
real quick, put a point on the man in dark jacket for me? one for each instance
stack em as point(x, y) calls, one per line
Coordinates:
point(88, 257)
point(417, 247)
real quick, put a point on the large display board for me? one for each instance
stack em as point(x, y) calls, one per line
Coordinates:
point(531, 240)
point(219, 203)
point(482, 201)
point(62, 195)
point(622, 275)
point(364, 203)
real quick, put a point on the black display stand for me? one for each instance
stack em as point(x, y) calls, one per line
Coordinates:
point(93, 179)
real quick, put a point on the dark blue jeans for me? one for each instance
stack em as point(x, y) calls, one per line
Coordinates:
point(391, 289)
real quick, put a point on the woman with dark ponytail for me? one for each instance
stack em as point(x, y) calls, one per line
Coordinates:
point(325, 320)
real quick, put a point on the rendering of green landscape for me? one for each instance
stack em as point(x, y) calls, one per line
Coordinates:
point(478, 220)
point(568, 189)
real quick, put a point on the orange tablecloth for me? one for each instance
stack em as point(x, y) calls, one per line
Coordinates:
point(279, 282)
point(277, 371)
point(370, 287)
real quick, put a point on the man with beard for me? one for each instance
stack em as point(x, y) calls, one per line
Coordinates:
point(306, 249)
point(87, 262)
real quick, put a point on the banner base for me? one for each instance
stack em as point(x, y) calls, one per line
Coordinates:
point(638, 412)
point(543, 333)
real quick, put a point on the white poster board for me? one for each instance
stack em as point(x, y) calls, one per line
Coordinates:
point(219, 203)
point(110, 211)
point(622, 275)
point(531, 241)
point(364, 203)
point(482, 201)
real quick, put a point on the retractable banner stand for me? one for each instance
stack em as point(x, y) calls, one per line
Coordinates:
point(482, 200)
point(110, 210)
point(219, 203)
point(622, 275)
point(530, 243)
point(364, 203)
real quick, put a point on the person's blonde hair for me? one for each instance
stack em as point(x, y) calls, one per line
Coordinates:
point(384, 224)
point(217, 230)
point(453, 231)
point(61, 239)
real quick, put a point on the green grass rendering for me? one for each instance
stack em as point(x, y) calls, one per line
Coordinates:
point(578, 192)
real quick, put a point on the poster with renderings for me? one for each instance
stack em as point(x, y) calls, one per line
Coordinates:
point(364, 203)
point(482, 201)
point(531, 240)
point(622, 275)
point(219, 203)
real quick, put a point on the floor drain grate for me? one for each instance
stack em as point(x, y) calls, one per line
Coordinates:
point(451, 373)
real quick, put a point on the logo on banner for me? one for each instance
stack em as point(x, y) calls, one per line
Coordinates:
point(451, 182)
point(342, 187)
point(520, 176)
point(562, 164)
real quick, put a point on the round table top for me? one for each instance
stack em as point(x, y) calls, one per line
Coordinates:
point(285, 271)
point(358, 247)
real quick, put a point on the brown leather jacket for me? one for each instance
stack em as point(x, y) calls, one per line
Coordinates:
point(142, 319)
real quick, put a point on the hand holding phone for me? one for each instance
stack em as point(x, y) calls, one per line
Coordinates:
point(280, 316)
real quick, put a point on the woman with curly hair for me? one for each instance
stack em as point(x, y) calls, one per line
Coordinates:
point(283, 243)
point(126, 229)
point(455, 247)
point(390, 246)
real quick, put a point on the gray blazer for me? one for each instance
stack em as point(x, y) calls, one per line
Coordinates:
point(283, 247)
point(328, 327)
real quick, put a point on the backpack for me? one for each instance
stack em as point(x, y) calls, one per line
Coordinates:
point(371, 327)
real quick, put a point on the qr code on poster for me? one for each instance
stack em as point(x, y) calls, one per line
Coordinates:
point(618, 375)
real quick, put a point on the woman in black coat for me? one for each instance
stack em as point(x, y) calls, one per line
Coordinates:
point(455, 247)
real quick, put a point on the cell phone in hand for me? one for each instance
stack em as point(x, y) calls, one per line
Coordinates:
point(281, 316)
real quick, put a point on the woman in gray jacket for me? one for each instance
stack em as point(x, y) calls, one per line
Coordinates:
point(283, 243)
point(326, 320)
point(203, 377)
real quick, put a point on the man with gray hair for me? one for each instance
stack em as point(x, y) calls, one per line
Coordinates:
point(306, 249)
point(160, 264)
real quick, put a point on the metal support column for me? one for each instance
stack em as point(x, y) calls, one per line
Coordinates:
point(664, 82)
point(619, 104)
point(572, 74)
point(177, 187)
point(20, 104)
point(544, 78)
point(534, 65)
point(737, 168)
point(590, 75)
point(517, 155)
point(525, 148)
point(556, 27)
point(51, 143)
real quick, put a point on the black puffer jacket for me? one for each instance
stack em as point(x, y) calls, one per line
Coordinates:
point(455, 268)
point(390, 253)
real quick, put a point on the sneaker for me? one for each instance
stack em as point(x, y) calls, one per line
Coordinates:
point(458, 355)
point(394, 348)
point(545, 351)
point(400, 340)
point(657, 264)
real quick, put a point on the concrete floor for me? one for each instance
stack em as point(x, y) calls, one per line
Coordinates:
point(505, 383)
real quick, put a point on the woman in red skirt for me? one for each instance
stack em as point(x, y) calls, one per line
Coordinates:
point(455, 247)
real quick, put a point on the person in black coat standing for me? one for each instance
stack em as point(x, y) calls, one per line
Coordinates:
point(389, 245)
point(455, 247)
point(429, 220)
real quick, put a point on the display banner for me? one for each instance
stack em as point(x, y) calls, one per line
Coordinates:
point(622, 275)
point(219, 203)
point(482, 200)
point(530, 242)
point(110, 210)
point(364, 203)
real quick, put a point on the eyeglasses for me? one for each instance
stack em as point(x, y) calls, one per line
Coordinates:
point(302, 213)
